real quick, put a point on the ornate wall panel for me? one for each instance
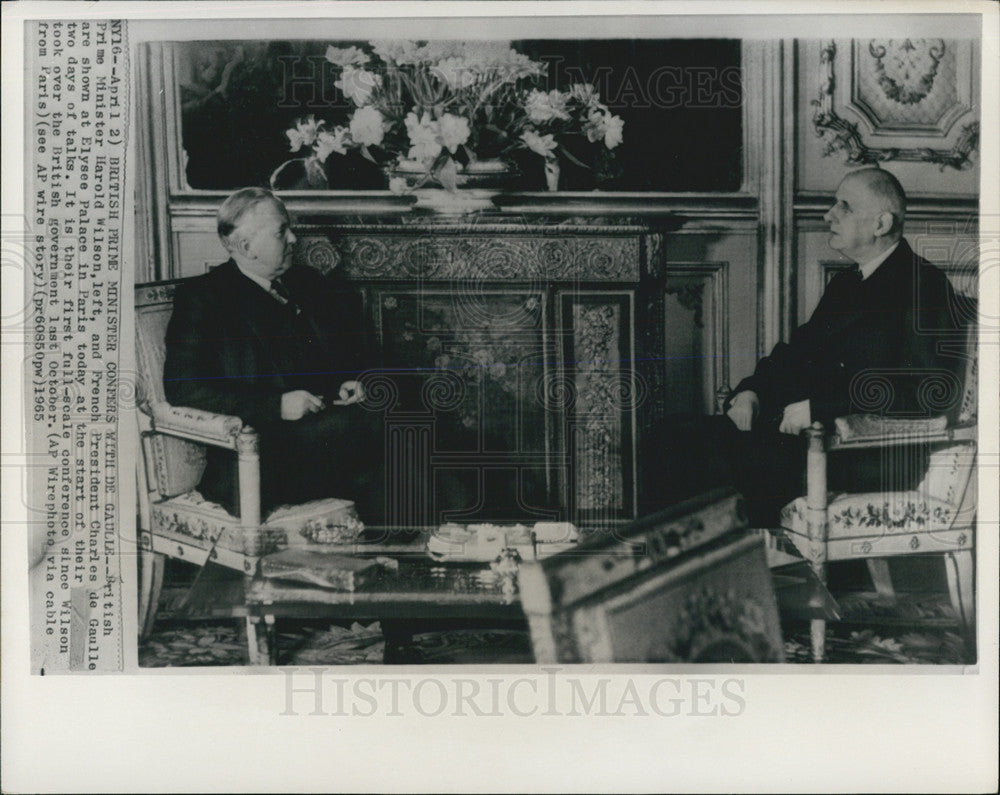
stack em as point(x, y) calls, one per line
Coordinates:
point(912, 100)
point(696, 332)
point(606, 393)
point(909, 103)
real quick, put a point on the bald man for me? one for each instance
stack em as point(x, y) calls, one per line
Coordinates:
point(884, 318)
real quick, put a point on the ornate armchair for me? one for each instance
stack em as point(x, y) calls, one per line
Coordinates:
point(937, 517)
point(175, 520)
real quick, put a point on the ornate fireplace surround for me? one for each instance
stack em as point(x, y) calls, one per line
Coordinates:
point(534, 349)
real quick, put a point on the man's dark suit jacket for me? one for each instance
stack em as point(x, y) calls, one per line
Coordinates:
point(890, 323)
point(887, 326)
point(232, 348)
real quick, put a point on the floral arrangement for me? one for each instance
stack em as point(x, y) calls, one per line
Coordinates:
point(433, 111)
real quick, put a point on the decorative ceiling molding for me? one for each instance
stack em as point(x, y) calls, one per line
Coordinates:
point(842, 135)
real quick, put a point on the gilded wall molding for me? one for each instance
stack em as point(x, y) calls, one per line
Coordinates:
point(844, 136)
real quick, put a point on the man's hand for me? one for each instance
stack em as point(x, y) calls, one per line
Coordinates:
point(796, 418)
point(350, 392)
point(295, 405)
point(743, 409)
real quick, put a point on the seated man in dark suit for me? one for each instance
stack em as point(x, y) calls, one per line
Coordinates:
point(877, 327)
point(280, 347)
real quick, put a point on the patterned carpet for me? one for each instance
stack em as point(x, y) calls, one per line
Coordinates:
point(913, 628)
point(174, 644)
point(202, 644)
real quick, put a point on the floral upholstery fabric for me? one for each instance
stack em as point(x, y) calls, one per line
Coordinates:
point(875, 513)
point(320, 521)
point(943, 502)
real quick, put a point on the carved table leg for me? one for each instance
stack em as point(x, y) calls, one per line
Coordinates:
point(816, 526)
point(960, 568)
point(257, 642)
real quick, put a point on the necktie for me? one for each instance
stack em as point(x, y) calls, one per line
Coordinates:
point(282, 293)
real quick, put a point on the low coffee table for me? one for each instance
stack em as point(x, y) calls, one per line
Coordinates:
point(423, 591)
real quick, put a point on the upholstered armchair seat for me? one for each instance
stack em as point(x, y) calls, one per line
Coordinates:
point(191, 518)
point(879, 524)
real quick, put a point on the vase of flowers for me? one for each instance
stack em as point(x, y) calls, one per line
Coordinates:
point(446, 114)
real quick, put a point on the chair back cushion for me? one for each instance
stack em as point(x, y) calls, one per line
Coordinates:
point(174, 466)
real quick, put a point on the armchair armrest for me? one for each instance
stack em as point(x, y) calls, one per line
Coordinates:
point(857, 431)
point(221, 430)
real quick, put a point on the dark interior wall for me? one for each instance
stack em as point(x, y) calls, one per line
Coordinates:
point(680, 101)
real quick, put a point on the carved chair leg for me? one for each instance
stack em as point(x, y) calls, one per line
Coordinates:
point(151, 565)
point(816, 525)
point(248, 473)
point(817, 639)
point(878, 569)
point(961, 571)
point(257, 645)
point(271, 639)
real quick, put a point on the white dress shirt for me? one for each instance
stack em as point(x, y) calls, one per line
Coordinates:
point(868, 268)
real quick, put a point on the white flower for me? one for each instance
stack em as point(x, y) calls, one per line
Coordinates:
point(358, 84)
point(423, 134)
point(613, 131)
point(435, 51)
point(344, 56)
point(454, 131)
point(458, 73)
point(304, 133)
point(603, 126)
point(539, 144)
point(542, 107)
point(367, 127)
point(327, 142)
point(585, 94)
point(394, 51)
point(398, 185)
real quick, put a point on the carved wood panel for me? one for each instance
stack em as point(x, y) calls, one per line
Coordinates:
point(605, 393)
point(908, 100)
point(476, 255)
point(695, 333)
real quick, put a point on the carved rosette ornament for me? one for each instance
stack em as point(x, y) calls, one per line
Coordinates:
point(321, 255)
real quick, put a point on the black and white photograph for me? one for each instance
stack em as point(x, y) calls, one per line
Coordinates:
point(508, 360)
point(414, 316)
